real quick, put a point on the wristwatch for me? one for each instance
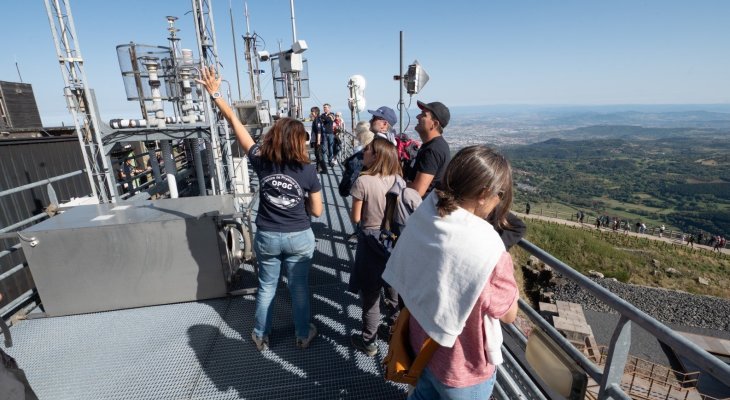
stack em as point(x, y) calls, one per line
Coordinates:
point(215, 95)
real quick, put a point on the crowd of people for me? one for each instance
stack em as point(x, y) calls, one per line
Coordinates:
point(717, 242)
point(450, 266)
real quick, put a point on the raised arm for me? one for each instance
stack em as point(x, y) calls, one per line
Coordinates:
point(212, 83)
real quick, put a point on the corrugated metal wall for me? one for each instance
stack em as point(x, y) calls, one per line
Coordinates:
point(19, 103)
point(24, 161)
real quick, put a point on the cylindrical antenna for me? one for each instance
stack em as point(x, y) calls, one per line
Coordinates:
point(249, 51)
point(293, 22)
point(248, 23)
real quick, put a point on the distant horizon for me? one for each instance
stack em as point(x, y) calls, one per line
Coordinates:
point(723, 108)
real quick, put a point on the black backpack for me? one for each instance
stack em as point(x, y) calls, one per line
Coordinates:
point(353, 167)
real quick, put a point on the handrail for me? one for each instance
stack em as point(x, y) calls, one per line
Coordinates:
point(30, 294)
point(26, 221)
point(40, 183)
point(704, 360)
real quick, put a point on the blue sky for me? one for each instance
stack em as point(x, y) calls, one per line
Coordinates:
point(476, 52)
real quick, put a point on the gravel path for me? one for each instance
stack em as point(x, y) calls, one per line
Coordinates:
point(668, 306)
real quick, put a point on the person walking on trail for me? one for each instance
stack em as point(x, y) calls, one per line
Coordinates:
point(289, 193)
point(661, 230)
point(527, 208)
point(454, 275)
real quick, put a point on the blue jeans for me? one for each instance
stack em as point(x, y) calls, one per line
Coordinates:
point(294, 251)
point(429, 387)
point(330, 142)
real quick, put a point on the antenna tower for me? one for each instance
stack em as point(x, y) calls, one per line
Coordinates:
point(208, 50)
point(79, 99)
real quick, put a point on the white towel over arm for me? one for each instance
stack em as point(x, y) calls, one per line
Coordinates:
point(440, 266)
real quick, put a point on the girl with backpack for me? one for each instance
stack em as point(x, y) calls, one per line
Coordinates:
point(381, 170)
point(454, 275)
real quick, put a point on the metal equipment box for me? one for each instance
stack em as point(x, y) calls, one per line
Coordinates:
point(134, 254)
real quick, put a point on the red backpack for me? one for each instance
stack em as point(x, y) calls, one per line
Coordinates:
point(407, 147)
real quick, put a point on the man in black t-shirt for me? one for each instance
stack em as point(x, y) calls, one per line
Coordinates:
point(427, 169)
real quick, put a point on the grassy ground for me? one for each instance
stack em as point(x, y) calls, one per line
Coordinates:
point(631, 259)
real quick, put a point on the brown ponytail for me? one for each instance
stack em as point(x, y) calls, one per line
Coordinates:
point(446, 203)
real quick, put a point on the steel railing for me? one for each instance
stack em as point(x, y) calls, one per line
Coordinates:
point(609, 378)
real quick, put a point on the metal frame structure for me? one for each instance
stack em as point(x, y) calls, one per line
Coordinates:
point(80, 100)
point(208, 50)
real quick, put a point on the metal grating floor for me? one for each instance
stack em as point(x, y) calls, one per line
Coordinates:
point(203, 350)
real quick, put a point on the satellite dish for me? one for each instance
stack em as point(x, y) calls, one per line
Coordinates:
point(415, 78)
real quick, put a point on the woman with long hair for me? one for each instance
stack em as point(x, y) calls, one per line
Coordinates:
point(451, 269)
point(289, 192)
point(381, 170)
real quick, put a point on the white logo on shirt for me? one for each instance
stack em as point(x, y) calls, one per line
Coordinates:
point(281, 191)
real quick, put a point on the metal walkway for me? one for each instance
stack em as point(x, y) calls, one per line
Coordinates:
point(203, 350)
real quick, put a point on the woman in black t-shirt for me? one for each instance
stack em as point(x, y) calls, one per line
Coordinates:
point(289, 192)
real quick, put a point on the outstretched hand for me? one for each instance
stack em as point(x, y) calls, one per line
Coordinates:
point(211, 80)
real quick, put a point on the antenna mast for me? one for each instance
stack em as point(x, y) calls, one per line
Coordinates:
point(235, 50)
point(205, 32)
point(250, 46)
point(295, 98)
point(79, 99)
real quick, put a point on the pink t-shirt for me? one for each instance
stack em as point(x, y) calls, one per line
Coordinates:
point(466, 364)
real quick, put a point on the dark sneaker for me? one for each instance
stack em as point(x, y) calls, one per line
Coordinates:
point(384, 332)
point(262, 343)
point(304, 343)
point(371, 349)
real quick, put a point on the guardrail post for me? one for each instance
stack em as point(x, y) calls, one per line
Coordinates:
point(618, 353)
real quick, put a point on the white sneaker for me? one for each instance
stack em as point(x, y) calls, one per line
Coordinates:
point(304, 343)
point(334, 163)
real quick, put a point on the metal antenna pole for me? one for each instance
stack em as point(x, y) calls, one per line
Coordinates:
point(293, 22)
point(400, 86)
point(296, 81)
point(249, 43)
point(205, 32)
point(79, 100)
point(235, 49)
point(17, 68)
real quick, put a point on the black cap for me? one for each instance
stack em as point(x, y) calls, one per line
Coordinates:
point(438, 110)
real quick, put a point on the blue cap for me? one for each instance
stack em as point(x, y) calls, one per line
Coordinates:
point(385, 113)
